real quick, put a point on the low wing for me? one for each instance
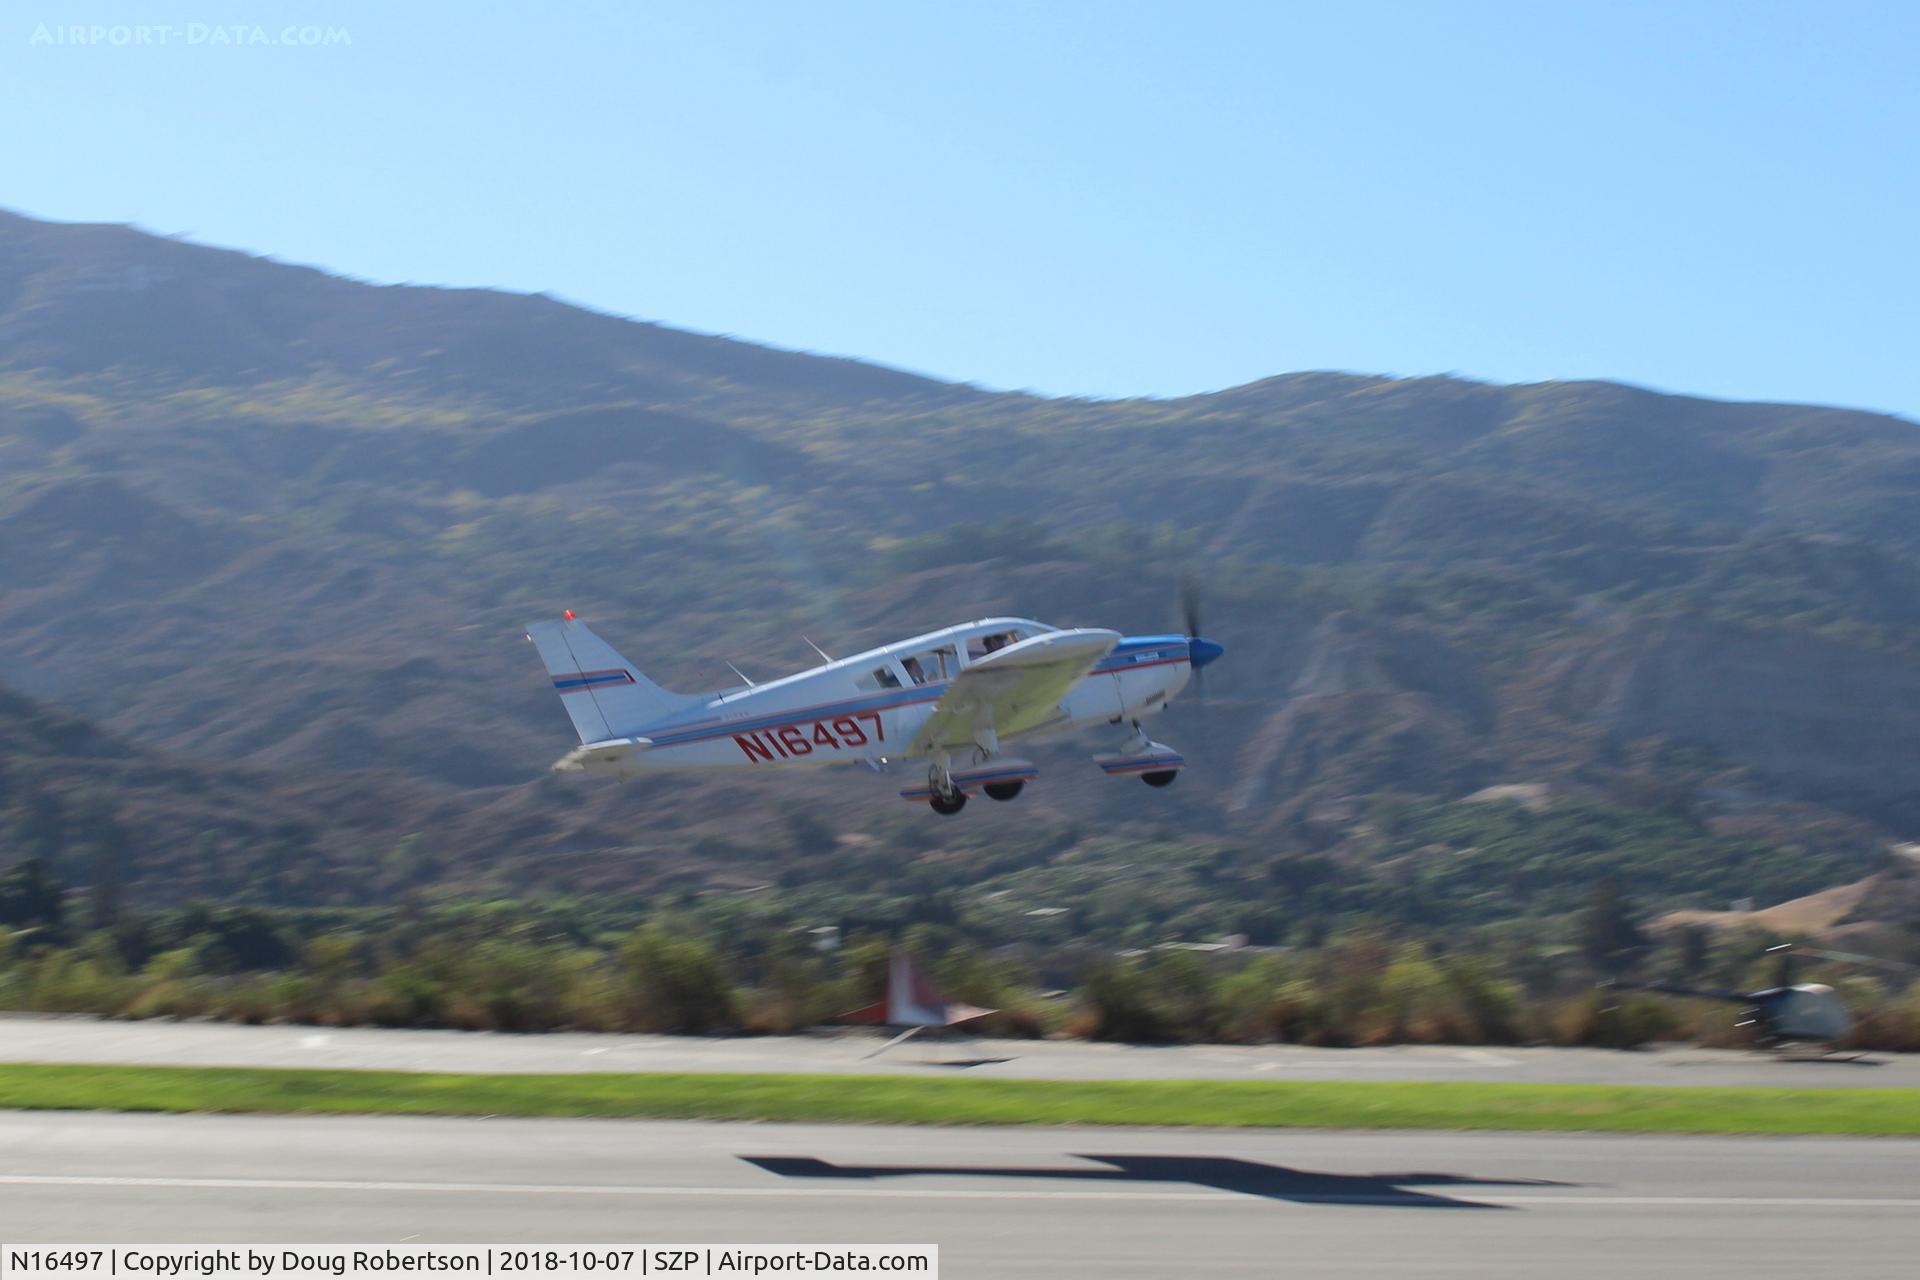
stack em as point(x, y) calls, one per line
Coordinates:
point(1012, 689)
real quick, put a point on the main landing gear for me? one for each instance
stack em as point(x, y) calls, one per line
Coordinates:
point(947, 788)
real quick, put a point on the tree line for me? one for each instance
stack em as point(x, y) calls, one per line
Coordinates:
point(531, 966)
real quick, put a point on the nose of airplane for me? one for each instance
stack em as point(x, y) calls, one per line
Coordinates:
point(1201, 651)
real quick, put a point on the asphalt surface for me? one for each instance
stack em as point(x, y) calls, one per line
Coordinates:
point(1000, 1203)
point(70, 1039)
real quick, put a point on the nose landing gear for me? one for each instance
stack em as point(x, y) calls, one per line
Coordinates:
point(1156, 763)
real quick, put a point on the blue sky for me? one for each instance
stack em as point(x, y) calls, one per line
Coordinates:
point(1099, 199)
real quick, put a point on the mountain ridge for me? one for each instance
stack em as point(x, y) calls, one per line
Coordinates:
point(300, 518)
point(141, 238)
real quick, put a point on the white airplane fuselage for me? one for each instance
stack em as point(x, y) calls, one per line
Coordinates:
point(869, 707)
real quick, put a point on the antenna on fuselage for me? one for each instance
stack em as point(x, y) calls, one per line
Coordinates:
point(824, 655)
point(743, 675)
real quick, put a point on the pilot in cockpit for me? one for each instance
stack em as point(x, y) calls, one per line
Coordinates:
point(981, 646)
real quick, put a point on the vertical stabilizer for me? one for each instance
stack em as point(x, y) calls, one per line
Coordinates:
point(605, 695)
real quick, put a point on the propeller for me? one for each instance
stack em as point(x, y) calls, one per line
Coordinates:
point(1200, 650)
point(1190, 627)
point(1190, 604)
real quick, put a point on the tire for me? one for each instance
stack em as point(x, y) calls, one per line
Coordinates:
point(948, 804)
point(1160, 777)
point(1004, 790)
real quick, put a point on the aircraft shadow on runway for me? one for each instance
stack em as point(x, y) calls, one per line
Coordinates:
point(1248, 1177)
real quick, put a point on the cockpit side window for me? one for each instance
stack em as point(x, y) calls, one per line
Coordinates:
point(980, 646)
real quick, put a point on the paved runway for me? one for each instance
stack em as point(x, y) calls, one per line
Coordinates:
point(1000, 1203)
point(69, 1039)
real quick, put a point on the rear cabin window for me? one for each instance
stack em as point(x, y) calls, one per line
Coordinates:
point(879, 678)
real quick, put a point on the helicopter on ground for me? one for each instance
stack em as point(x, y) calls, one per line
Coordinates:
point(1790, 1015)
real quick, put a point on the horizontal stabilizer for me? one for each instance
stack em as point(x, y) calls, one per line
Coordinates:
point(607, 755)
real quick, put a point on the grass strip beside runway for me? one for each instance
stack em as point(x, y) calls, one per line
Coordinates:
point(905, 1100)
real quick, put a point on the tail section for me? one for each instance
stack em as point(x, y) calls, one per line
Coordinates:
point(606, 695)
point(913, 1001)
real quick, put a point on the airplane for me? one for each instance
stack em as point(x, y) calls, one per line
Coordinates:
point(949, 698)
point(912, 1004)
point(1789, 1015)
